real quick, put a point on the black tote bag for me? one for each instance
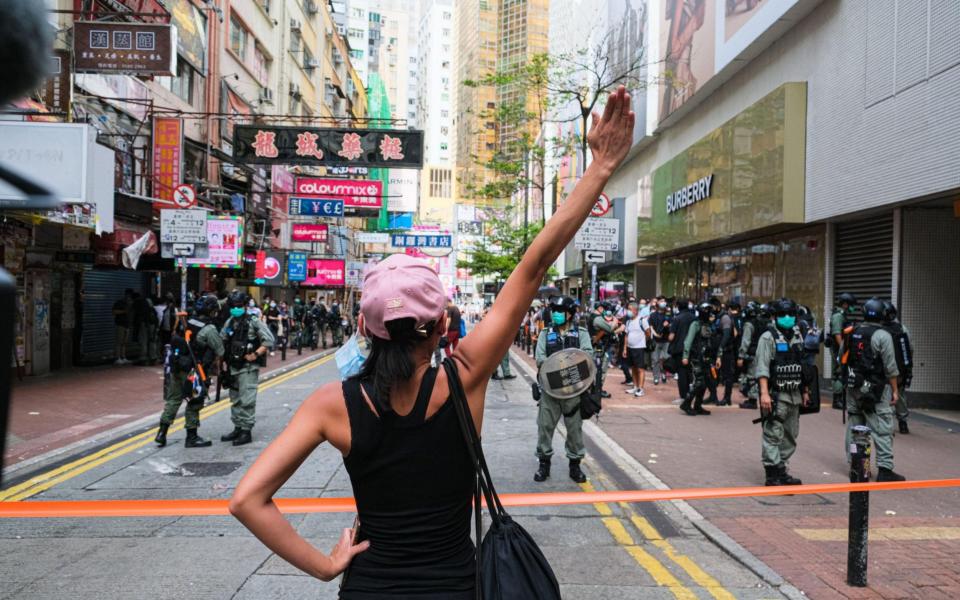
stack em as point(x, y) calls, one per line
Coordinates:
point(510, 565)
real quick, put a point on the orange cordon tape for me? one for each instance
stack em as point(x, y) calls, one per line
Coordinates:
point(179, 508)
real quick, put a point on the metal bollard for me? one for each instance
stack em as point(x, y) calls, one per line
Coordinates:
point(859, 519)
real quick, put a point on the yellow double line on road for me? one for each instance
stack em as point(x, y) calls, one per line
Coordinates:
point(47, 480)
point(660, 574)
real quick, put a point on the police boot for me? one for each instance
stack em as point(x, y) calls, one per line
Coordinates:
point(229, 437)
point(749, 404)
point(575, 473)
point(904, 428)
point(195, 441)
point(838, 401)
point(543, 472)
point(885, 474)
point(773, 475)
point(685, 408)
point(786, 478)
point(698, 406)
point(161, 438)
point(243, 437)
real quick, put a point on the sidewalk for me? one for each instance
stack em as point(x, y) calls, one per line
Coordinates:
point(915, 535)
point(50, 412)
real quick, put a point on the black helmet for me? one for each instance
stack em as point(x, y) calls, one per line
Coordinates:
point(803, 311)
point(734, 306)
point(784, 306)
point(750, 310)
point(765, 310)
point(207, 305)
point(563, 303)
point(705, 311)
point(847, 298)
point(889, 312)
point(237, 298)
point(873, 309)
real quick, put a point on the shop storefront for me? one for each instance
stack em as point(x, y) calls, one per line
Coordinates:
point(725, 217)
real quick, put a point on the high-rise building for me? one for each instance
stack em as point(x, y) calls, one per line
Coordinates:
point(491, 37)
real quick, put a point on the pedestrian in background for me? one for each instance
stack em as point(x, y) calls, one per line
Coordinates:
point(453, 327)
point(659, 324)
point(122, 313)
point(635, 348)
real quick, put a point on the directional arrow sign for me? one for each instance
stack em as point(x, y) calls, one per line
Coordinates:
point(595, 256)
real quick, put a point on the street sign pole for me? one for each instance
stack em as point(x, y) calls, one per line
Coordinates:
point(183, 284)
point(594, 284)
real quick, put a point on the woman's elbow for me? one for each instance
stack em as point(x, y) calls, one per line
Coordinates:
point(239, 505)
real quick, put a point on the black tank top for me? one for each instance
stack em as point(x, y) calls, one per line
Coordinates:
point(413, 482)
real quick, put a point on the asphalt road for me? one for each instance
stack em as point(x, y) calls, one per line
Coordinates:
point(597, 551)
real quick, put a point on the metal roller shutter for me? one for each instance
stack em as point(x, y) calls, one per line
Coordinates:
point(864, 258)
point(100, 290)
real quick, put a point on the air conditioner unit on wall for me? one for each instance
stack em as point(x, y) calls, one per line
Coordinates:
point(311, 63)
point(266, 95)
point(295, 25)
point(295, 90)
point(312, 7)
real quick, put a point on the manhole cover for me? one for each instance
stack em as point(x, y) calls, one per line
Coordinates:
point(206, 469)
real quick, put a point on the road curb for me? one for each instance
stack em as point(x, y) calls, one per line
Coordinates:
point(131, 428)
point(645, 478)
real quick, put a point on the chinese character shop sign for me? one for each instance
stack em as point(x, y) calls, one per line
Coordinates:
point(134, 48)
point(413, 240)
point(325, 272)
point(309, 232)
point(167, 159)
point(358, 196)
point(328, 147)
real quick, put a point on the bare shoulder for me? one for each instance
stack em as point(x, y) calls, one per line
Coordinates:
point(326, 408)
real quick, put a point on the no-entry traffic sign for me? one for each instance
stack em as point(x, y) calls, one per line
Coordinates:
point(184, 195)
point(602, 206)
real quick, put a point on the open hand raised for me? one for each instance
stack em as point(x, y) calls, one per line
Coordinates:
point(611, 136)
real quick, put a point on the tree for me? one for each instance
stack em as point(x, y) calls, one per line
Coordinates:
point(500, 249)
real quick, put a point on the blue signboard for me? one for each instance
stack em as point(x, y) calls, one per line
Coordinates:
point(297, 266)
point(316, 207)
point(419, 240)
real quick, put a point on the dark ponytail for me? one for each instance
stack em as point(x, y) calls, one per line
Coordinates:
point(391, 361)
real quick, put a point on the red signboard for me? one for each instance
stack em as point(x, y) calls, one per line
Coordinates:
point(167, 158)
point(281, 184)
point(357, 194)
point(325, 272)
point(309, 232)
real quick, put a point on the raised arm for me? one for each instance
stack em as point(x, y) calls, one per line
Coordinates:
point(610, 138)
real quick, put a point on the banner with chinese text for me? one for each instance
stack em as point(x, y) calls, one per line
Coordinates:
point(325, 272)
point(328, 147)
point(167, 157)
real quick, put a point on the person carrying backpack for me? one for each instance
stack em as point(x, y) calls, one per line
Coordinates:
point(904, 354)
point(193, 351)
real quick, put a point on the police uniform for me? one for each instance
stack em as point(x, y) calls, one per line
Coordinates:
point(872, 364)
point(601, 324)
point(780, 361)
point(747, 353)
point(551, 409)
point(700, 350)
point(242, 336)
point(896, 329)
point(206, 342)
point(838, 323)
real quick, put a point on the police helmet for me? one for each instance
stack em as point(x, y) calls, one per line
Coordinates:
point(734, 306)
point(889, 312)
point(705, 311)
point(563, 303)
point(784, 306)
point(207, 305)
point(237, 299)
point(873, 309)
point(765, 310)
point(847, 298)
point(750, 310)
point(803, 311)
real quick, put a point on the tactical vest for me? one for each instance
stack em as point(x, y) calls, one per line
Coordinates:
point(759, 326)
point(239, 343)
point(902, 350)
point(557, 340)
point(786, 372)
point(185, 354)
point(865, 364)
point(704, 347)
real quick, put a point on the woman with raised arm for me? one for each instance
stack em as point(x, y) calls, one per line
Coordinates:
point(398, 433)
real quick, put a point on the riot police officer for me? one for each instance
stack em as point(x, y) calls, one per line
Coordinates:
point(247, 342)
point(602, 328)
point(335, 323)
point(784, 387)
point(700, 354)
point(753, 325)
point(560, 333)
point(840, 320)
point(191, 356)
point(873, 382)
point(904, 353)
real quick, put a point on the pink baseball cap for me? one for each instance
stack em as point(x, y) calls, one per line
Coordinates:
point(400, 287)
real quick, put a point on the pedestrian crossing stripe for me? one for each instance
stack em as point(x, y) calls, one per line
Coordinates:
point(45, 481)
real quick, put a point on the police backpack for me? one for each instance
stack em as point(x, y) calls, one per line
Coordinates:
point(902, 350)
point(864, 367)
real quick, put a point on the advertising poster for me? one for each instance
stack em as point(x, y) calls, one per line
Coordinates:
point(325, 272)
point(742, 22)
point(687, 40)
point(225, 244)
point(628, 51)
